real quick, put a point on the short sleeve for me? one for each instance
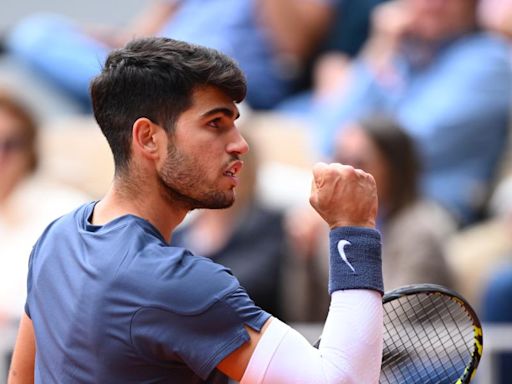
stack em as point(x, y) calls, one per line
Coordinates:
point(202, 339)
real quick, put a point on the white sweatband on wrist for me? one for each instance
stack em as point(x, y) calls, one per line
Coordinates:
point(350, 350)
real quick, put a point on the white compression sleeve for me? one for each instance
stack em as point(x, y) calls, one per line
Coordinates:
point(350, 350)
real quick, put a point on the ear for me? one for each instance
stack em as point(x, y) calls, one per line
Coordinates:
point(148, 139)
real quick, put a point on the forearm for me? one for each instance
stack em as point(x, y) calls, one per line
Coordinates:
point(391, 23)
point(148, 23)
point(296, 27)
point(348, 354)
point(351, 346)
point(152, 20)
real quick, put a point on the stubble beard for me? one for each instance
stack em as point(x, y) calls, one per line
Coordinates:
point(181, 181)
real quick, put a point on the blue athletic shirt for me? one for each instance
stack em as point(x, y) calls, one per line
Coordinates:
point(117, 304)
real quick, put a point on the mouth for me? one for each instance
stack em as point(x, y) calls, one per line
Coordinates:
point(233, 170)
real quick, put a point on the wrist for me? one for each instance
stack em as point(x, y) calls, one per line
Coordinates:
point(370, 224)
point(355, 259)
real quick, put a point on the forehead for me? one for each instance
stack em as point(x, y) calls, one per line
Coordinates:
point(354, 138)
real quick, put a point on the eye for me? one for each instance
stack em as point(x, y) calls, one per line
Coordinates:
point(220, 123)
point(215, 123)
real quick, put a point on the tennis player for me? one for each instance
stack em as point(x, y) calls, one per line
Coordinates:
point(109, 301)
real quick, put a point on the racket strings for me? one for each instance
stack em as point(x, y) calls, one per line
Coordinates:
point(407, 344)
point(399, 359)
point(459, 338)
point(442, 337)
point(427, 339)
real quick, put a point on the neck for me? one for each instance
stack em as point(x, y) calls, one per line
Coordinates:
point(143, 201)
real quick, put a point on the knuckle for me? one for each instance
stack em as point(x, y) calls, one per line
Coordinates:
point(331, 172)
point(360, 172)
point(350, 171)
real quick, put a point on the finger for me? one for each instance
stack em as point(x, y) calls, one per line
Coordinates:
point(361, 173)
point(319, 171)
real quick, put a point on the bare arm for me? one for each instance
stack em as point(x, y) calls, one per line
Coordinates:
point(296, 26)
point(391, 23)
point(23, 360)
point(147, 23)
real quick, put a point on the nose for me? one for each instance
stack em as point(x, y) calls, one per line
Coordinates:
point(238, 145)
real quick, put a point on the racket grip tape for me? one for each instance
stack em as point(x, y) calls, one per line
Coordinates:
point(355, 259)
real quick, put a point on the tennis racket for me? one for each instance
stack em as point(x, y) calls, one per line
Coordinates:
point(431, 336)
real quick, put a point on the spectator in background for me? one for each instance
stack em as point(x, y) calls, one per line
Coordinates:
point(228, 237)
point(446, 82)
point(27, 203)
point(414, 229)
point(270, 39)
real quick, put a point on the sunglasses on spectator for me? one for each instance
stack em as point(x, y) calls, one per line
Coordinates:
point(12, 144)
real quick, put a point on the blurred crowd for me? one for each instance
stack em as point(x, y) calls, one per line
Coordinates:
point(416, 92)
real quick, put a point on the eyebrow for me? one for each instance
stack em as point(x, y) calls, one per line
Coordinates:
point(224, 110)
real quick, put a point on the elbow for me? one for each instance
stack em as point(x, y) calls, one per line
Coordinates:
point(345, 368)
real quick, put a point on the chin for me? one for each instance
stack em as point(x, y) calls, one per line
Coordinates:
point(218, 200)
point(224, 205)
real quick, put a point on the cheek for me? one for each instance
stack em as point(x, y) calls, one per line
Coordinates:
point(204, 160)
point(381, 177)
point(430, 28)
point(205, 166)
point(12, 169)
point(382, 184)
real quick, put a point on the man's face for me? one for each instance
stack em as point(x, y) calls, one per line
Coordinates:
point(436, 20)
point(204, 151)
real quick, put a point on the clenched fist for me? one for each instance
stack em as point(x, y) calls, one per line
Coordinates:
point(344, 196)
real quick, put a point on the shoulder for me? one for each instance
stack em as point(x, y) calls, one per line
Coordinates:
point(62, 224)
point(483, 40)
point(488, 48)
point(422, 219)
point(181, 284)
point(176, 280)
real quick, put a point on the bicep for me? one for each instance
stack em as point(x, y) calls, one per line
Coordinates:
point(23, 361)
